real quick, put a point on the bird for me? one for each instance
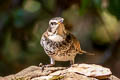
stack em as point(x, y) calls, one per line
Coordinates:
point(60, 44)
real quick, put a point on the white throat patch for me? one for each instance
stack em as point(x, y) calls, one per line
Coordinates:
point(56, 38)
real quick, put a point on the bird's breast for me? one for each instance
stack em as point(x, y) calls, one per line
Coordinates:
point(56, 46)
point(59, 51)
point(56, 38)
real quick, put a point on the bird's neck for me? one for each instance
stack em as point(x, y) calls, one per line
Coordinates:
point(58, 35)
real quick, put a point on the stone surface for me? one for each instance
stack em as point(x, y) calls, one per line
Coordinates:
point(75, 72)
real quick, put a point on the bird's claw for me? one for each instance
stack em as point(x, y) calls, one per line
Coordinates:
point(49, 65)
point(45, 66)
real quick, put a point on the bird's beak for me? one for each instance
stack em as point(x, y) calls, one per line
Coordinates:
point(59, 22)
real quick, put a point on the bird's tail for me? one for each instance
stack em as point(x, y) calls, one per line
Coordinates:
point(85, 52)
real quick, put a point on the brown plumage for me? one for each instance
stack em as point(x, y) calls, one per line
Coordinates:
point(58, 43)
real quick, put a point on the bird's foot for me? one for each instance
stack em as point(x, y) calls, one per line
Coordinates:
point(48, 65)
point(40, 65)
point(45, 66)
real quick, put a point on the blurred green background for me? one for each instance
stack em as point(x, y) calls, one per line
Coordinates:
point(96, 23)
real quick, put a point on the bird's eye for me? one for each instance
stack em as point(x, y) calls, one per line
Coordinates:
point(53, 23)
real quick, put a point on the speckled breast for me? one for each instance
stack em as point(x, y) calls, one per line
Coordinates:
point(59, 49)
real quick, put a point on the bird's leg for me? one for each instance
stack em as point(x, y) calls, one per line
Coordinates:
point(72, 61)
point(52, 62)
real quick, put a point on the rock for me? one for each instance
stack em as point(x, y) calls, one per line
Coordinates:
point(75, 72)
point(89, 70)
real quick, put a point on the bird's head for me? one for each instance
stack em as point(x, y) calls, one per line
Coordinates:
point(56, 25)
point(56, 30)
point(55, 22)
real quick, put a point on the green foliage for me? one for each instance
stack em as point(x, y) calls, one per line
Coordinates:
point(18, 18)
point(32, 6)
point(114, 8)
point(87, 4)
point(84, 6)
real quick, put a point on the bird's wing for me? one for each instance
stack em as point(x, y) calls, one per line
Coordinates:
point(75, 42)
point(43, 38)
